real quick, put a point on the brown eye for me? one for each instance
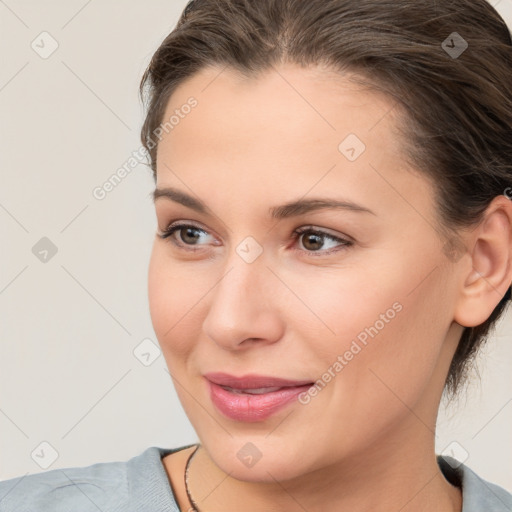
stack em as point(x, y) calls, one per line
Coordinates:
point(312, 241)
point(319, 242)
point(188, 235)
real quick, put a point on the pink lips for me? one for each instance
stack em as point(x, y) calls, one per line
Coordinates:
point(252, 397)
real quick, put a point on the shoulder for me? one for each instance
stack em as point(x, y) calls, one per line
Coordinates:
point(477, 493)
point(139, 483)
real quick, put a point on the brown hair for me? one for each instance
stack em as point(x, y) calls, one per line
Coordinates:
point(457, 121)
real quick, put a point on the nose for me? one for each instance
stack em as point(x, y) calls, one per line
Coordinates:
point(244, 306)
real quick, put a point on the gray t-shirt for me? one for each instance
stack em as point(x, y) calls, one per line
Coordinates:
point(141, 484)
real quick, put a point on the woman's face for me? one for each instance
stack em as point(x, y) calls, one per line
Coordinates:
point(359, 301)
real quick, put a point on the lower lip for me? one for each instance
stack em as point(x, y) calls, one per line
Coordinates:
point(246, 407)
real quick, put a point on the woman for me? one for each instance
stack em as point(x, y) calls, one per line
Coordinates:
point(334, 245)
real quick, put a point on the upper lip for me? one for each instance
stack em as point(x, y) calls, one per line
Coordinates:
point(252, 381)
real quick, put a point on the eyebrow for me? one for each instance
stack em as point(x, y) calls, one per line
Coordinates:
point(291, 209)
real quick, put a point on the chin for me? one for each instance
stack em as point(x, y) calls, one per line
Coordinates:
point(254, 459)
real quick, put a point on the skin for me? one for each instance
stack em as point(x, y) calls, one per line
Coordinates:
point(366, 441)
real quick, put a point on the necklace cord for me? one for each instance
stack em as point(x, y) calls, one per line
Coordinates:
point(190, 499)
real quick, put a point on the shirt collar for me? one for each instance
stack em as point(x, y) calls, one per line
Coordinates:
point(477, 494)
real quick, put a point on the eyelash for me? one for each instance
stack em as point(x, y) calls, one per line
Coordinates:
point(173, 228)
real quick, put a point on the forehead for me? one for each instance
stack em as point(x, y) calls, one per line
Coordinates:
point(287, 127)
point(311, 90)
point(288, 109)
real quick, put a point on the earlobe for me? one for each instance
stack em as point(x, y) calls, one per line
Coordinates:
point(490, 275)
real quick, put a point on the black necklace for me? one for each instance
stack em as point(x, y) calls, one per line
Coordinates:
point(194, 504)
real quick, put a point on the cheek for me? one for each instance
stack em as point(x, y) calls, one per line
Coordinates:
point(175, 297)
point(334, 307)
point(394, 368)
point(375, 333)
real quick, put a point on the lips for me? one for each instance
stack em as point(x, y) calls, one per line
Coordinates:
point(252, 397)
point(252, 391)
point(252, 381)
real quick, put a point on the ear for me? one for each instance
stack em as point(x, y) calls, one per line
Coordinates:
point(489, 272)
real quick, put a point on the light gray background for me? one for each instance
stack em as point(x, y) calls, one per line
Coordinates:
point(68, 374)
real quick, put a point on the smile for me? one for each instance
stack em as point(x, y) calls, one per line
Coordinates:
point(248, 399)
